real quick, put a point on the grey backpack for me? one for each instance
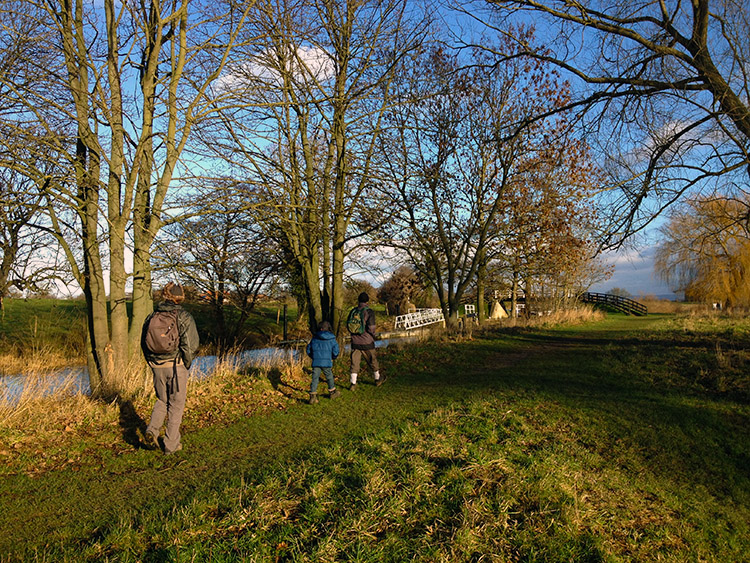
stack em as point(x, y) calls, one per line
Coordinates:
point(162, 334)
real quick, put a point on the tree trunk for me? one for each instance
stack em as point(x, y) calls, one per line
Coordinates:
point(527, 294)
point(311, 276)
point(481, 286)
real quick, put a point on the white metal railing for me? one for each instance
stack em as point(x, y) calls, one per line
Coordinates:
point(420, 318)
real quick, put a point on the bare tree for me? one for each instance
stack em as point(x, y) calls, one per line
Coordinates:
point(664, 83)
point(221, 250)
point(120, 90)
point(457, 153)
point(27, 253)
point(27, 259)
point(303, 114)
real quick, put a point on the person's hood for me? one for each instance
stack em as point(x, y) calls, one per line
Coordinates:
point(325, 335)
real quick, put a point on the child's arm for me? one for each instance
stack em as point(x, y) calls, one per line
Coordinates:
point(335, 350)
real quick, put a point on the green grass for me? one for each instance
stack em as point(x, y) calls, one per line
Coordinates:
point(623, 440)
point(35, 324)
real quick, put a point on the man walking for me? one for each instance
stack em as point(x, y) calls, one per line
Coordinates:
point(169, 341)
point(361, 326)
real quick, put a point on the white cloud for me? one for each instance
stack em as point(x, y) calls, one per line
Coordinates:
point(311, 63)
point(634, 272)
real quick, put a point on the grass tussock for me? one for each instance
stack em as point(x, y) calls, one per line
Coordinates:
point(36, 361)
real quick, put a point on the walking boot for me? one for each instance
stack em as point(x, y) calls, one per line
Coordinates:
point(313, 399)
point(151, 440)
point(177, 449)
point(333, 393)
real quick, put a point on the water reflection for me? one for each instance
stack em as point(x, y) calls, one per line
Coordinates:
point(74, 380)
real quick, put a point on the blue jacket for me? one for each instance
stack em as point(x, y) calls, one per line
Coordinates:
point(323, 349)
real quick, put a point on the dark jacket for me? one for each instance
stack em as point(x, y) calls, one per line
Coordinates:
point(189, 340)
point(323, 349)
point(365, 341)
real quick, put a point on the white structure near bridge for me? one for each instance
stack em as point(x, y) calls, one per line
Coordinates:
point(420, 318)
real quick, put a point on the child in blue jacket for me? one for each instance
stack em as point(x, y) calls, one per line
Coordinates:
point(323, 349)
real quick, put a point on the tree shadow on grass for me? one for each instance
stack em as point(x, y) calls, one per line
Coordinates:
point(275, 377)
point(132, 425)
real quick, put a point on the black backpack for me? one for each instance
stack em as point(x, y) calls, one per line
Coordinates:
point(162, 334)
point(355, 322)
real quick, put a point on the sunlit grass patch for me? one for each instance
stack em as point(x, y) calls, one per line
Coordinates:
point(487, 478)
point(714, 353)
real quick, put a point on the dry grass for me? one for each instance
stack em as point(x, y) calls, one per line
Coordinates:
point(236, 389)
point(50, 424)
point(575, 316)
point(663, 306)
point(23, 395)
point(42, 360)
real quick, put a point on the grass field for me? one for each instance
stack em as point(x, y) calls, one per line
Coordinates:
point(620, 440)
point(37, 332)
point(52, 332)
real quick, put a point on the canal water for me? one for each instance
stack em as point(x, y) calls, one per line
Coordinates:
point(76, 379)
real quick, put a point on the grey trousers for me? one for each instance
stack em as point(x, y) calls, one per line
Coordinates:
point(170, 384)
point(370, 357)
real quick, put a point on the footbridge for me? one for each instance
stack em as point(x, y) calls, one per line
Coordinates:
point(616, 302)
point(418, 319)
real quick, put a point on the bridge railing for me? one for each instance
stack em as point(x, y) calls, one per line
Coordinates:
point(624, 304)
point(420, 318)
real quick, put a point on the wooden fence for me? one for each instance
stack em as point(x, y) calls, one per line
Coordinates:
point(622, 304)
